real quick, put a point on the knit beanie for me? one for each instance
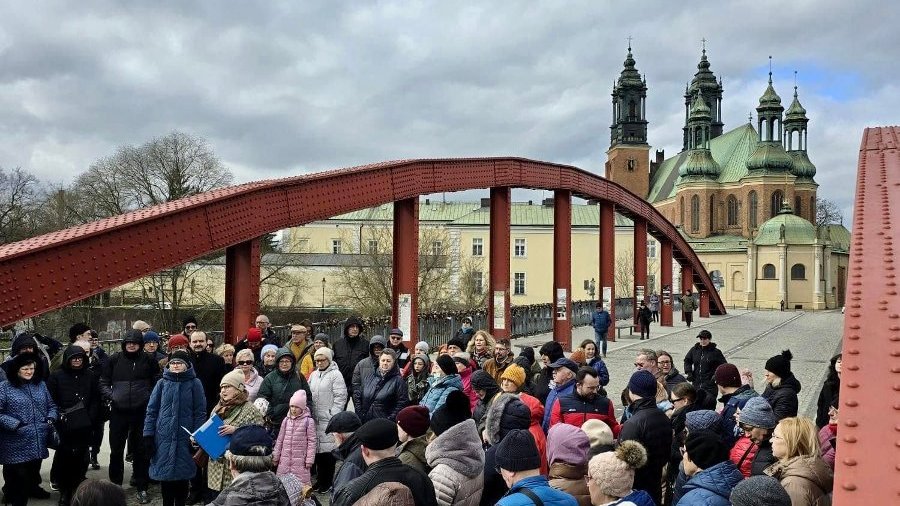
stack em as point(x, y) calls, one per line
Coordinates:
point(254, 335)
point(727, 375)
point(180, 355)
point(299, 399)
point(598, 433)
point(760, 490)
point(553, 350)
point(425, 360)
point(151, 337)
point(455, 410)
point(567, 443)
point(483, 381)
point(447, 365)
point(325, 352)
point(702, 419)
point(267, 348)
point(413, 420)
point(462, 358)
point(186, 321)
point(515, 374)
point(234, 378)
point(518, 452)
point(642, 384)
point(321, 336)
point(140, 325)
point(458, 342)
point(77, 330)
point(613, 471)
point(758, 412)
point(174, 341)
point(780, 365)
point(705, 448)
point(423, 346)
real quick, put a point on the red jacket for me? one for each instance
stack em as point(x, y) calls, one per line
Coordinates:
point(743, 446)
point(574, 410)
point(537, 415)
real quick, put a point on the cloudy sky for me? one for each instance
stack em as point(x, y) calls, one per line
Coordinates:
point(281, 88)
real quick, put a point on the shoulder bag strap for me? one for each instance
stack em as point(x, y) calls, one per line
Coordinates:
point(531, 495)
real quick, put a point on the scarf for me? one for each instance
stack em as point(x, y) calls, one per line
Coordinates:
point(223, 409)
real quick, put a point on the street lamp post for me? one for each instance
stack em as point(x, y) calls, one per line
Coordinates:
point(323, 296)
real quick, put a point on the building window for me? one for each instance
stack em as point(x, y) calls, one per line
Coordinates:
point(477, 246)
point(477, 283)
point(681, 214)
point(519, 249)
point(777, 199)
point(812, 210)
point(798, 271)
point(651, 248)
point(754, 204)
point(303, 245)
point(695, 214)
point(373, 247)
point(798, 208)
point(437, 248)
point(768, 271)
point(336, 246)
point(712, 214)
point(519, 283)
point(732, 211)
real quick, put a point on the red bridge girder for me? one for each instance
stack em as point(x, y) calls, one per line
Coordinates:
point(868, 451)
point(50, 271)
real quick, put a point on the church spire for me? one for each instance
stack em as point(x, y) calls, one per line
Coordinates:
point(795, 134)
point(710, 90)
point(629, 101)
point(769, 156)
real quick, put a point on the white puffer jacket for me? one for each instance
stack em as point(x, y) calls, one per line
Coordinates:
point(329, 395)
point(456, 460)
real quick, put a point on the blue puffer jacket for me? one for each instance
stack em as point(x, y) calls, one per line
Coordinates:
point(541, 488)
point(557, 392)
point(177, 400)
point(24, 409)
point(439, 390)
point(711, 487)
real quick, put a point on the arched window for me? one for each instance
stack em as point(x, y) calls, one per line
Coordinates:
point(754, 203)
point(632, 110)
point(712, 214)
point(768, 271)
point(798, 271)
point(695, 214)
point(777, 198)
point(732, 211)
point(681, 216)
point(798, 207)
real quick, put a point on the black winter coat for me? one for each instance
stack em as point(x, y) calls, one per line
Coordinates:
point(783, 398)
point(351, 461)
point(829, 392)
point(348, 351)
point(652, 428)
point(700, 365)
point(209, 369)
point(68, 386)
point(383, 396)
point(383, 471)
point(128, 380)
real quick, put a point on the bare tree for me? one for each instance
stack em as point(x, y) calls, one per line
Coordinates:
point(472, 283)
point(828, 213)
point(624, 273)
point(20, 196)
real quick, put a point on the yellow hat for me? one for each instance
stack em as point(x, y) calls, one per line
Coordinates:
point(514, 373)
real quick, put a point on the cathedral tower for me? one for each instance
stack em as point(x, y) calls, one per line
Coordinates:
point(628, 158)
point(710, 90)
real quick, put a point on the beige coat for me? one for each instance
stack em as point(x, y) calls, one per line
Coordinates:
point(457, 465)
point(570, 479)
point(808, 480)
point(219, 475)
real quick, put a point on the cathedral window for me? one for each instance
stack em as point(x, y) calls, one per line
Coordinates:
point(777, 199)
point(732, 211)
point(695, 214)
point(754, 204)
point(768, 271)
point(798, 271)
point(798, 208)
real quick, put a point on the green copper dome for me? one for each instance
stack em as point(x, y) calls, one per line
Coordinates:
point(699, 109)
point(771, 157)
point(700, 163)
point(630, 77)
point(785, 228)
point(769, 99)
point(795, 111)
point(803, 168)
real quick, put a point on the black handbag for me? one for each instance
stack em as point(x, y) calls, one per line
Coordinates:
point(74, 418)
point(52, 436)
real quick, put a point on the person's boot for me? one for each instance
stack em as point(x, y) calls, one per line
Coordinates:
point(194, 497)
point(65, 498)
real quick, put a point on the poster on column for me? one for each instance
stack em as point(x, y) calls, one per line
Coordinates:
point(561, 304)
point(639, 293)
point(607, 297)
point(499, 309)
point(667, 295)
point(404, 318)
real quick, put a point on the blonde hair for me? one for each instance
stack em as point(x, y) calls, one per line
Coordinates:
point(224, 348)
point(800, 436)
point(488, 342)
point(246, 352)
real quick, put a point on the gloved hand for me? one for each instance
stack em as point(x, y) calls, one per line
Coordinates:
point(149, 446)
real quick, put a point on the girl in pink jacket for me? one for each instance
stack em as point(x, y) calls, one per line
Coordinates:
point(295, 449)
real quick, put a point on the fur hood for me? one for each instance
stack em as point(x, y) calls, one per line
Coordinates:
point(458, 448)
point(507, 412)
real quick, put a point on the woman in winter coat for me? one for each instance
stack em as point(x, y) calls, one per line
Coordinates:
point(278, 387)
point(446, 381)
point(712, 475)
point(567, 452)
point(417, 380)
point(243, 362)
point(464, 369)
point(76, 392)
point(295, 449)
point(236, 411)
point(26, 410)
point(385, 394)
point(177, 401)
point(329, 395)
point(595, 361)
point(457, 464)
point(781, 385)
point(543, 381)
point(481, 348)
point(486, 389)
point(800, 469)
point(830, 391)
point(412, 426)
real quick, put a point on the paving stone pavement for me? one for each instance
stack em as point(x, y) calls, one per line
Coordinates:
point(748, 339)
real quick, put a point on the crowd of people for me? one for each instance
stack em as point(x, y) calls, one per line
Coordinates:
point(370, 421)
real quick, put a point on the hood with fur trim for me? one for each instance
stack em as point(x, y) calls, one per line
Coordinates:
point(459, 448)
point(506, 413)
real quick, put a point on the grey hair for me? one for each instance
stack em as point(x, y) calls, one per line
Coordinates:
point(251, 463)
point(650, 354)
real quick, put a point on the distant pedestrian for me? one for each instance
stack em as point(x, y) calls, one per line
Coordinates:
point(601, 321)
point(654, 306)
point(701, 361)
point(644, 317)
point(688, 306)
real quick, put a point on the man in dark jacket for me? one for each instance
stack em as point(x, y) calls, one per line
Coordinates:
point(701, 361)
point(378, 441)
point(395, 342)
point(265, 328)
point(650, 427)
point(584, 403)
point(209, 369)
point(601, 320)
point(126, 383)
point(343, 427)
point(350, 349)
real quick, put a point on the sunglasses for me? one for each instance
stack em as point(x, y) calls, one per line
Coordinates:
point(190, 326)
point(245, 362)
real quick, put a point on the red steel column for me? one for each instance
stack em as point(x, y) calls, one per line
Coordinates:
point(608, 263)
point(704, 303)
point(665, 297)
point(562, 268)
point(241, 288)
point(499, 316)
point(687, 281)
point(405, 292)
point(640, 266)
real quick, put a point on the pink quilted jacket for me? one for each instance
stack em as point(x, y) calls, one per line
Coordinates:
point(295, 448)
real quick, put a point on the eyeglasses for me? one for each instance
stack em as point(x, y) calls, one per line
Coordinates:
point(321, 360)
point(638, 364)
point(777, 437)
point(245, 362)
point(297, 332)
point(190, 326)
point(673, 401)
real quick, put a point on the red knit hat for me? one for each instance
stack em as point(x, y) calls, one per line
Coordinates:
point(414, 420)
point(177, 340)
point(254, 335)
point(727, 375)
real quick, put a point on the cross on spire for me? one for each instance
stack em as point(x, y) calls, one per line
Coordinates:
point(770, 69)
point(629, 42)
point(703, 44)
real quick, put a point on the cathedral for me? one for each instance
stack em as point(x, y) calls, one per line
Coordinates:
point(745, 199)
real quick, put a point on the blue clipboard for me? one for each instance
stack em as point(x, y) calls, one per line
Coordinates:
point(207, 436)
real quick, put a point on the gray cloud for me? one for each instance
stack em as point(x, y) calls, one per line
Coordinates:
point(281, 88)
